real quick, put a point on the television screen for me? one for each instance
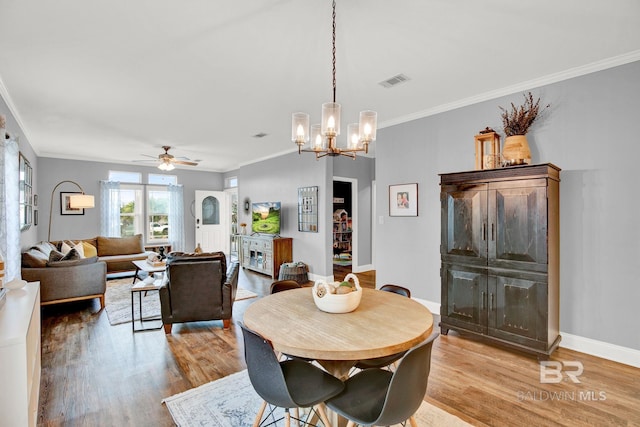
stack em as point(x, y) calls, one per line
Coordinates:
point(265, 217)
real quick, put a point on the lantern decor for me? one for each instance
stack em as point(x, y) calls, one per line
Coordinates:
point(487, 149)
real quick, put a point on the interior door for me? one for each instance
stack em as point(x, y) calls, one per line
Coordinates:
point(212, 221)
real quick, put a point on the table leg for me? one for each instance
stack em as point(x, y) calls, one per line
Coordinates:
point(135, 276)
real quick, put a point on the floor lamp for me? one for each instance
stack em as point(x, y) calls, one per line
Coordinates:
point(77, 201)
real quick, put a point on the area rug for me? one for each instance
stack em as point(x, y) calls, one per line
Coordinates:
point(232, 402)
point(118, 301)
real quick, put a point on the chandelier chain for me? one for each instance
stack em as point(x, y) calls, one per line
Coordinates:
point(334, 50)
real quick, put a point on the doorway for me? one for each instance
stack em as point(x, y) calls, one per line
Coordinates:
point(344, 226)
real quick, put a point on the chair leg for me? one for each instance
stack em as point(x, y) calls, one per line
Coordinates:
point(287, 418)
point(413, 422)
point(296, 416)
point(167, 328)
point(351, 424)
point(226, 323)
point(323, 415)
point(256, 422)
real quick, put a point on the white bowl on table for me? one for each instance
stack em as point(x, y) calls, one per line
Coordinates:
point(338, 303)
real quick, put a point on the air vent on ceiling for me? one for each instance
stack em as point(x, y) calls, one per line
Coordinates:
point(260, 135)
point(395, 80)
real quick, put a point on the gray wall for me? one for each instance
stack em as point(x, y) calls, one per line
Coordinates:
point(362, 169)
point(277, 180)
point(88, 174)
point(591, 133)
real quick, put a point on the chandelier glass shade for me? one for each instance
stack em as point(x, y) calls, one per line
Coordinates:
point(322, 137)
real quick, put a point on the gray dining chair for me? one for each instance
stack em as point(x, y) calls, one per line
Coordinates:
point(288, 384)
point(383, 398)
point(385, 361)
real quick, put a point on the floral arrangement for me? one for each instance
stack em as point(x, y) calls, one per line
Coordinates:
point(518, 120)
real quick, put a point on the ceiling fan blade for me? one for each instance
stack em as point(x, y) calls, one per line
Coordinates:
point(145, 161)
point(146, 155)
point(180, 162)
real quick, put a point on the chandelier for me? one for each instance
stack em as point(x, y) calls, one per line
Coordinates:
point(323, 136)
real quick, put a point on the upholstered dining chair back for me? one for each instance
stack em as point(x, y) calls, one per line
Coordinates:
point(396, 289)
point(284, 285)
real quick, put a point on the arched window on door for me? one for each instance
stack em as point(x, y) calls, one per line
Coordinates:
point(210, 211)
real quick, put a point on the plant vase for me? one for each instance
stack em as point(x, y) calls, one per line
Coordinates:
point(516, 150)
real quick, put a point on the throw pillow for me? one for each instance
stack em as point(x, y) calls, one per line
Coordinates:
point(67, 245)
point(55, 255)
point(58, 256)
point(89, 250)
point(33, 258)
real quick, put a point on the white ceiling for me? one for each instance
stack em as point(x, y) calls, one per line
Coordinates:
point(115, 80)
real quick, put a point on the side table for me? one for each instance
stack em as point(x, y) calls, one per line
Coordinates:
point(139, 288)
point(146, 267)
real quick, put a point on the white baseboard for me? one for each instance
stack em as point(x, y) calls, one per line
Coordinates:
point(361, 268)
point(613, 352)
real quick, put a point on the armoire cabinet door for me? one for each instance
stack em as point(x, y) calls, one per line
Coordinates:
point(464, 292)
point(518, 225)
point(464, 218)
point(517, 309)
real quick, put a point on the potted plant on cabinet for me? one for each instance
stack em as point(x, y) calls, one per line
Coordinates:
point(516, 122)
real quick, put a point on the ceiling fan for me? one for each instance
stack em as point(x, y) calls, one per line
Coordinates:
point(167, 161)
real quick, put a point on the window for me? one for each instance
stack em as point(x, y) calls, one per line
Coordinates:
point(155, 178)
point(26, 192)
point(120, 176)
point(157, 214)
point(131, 210)
point(231, 182)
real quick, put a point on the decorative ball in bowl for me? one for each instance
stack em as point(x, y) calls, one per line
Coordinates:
point(338, 297)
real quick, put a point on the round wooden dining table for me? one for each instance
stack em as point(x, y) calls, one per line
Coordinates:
point(383, 324)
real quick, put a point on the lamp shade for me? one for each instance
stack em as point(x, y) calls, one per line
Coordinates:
point(81, 201)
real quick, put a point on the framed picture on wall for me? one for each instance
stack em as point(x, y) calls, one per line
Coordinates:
point(65, 204)
point(403, 200)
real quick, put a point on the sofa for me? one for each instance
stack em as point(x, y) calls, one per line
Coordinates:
point(66, 278)
point(198, 287)
point(77, 270)
point(116, 252)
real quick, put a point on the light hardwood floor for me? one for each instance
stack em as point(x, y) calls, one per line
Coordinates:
point(94, 374)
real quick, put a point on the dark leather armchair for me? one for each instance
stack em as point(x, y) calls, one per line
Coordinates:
point(198, 288)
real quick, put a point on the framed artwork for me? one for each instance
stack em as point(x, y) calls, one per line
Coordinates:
point(403, 200)
point(308, 209)
point(65, 204)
